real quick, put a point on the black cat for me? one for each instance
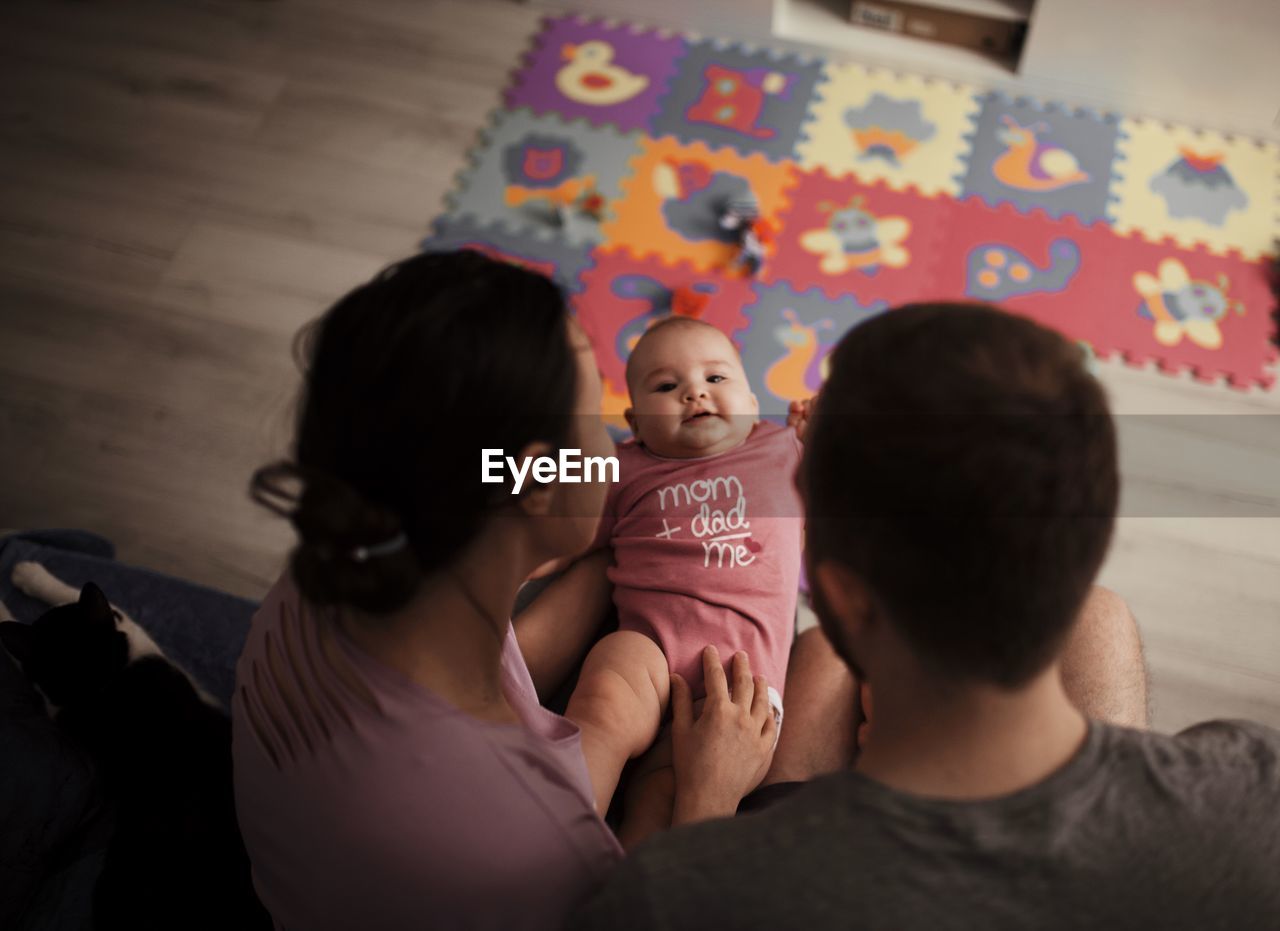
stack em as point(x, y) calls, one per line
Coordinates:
point(176, 858)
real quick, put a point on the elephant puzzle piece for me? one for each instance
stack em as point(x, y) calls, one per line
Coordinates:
point(997, 271)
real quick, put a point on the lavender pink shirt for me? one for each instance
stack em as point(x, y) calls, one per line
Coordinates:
point(366, 801)
point(708, 551)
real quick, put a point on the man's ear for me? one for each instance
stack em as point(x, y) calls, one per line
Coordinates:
point(535, 498)
point(16, 638)
point(630, 415)
point(845, 596)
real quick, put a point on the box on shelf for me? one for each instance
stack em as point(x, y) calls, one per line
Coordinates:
point(994, 36)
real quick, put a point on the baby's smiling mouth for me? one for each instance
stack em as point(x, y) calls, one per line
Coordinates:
point(699, 415)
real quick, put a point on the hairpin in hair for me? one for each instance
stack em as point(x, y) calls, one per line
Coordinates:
point(386, 548)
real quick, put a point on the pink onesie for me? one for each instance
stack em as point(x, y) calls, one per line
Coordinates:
point(708, 551)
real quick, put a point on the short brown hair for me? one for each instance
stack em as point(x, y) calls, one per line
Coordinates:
point(678, 321)
point(962, 462)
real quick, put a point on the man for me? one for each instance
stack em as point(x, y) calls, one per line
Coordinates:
point(961, 486)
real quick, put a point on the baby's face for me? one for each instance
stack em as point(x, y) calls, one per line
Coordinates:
point(689, 394)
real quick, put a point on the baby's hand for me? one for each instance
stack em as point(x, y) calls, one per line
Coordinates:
point(799, 413)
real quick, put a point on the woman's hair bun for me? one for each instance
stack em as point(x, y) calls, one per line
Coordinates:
point(350, 551)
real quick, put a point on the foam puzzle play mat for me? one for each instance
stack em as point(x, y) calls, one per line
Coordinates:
point(784, 199)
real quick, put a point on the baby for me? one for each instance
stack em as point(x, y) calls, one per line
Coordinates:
point(706, 530)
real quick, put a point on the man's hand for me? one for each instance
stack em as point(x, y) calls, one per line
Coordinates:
point(799, 414)
point(725, 753)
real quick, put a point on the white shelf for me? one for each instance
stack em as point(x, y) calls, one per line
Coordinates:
point(824, 25)
point(1014, 11)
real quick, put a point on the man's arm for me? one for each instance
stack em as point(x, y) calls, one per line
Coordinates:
point(555, 631)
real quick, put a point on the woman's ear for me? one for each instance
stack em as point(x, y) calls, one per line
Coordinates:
point(535, 497)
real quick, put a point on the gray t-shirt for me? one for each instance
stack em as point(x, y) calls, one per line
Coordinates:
point(1138, 830)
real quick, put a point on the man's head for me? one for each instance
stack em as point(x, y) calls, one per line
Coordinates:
point(961, 486)
point(689, 393)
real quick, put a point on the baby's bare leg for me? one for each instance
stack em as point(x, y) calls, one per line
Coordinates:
point(618, 703)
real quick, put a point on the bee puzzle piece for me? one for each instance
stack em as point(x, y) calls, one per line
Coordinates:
point(855, 238)
point(1183, 307)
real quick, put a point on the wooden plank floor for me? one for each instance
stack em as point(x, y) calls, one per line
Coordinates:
point(186, 183)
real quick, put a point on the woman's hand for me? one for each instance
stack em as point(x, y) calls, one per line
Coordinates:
point(725, 753)
point(799, 413)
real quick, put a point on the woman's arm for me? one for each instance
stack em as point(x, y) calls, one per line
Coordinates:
point(555, 631)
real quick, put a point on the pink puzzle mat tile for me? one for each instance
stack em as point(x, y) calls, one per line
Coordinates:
point(846, 237)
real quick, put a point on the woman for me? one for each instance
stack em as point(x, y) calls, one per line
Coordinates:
point(393, 767)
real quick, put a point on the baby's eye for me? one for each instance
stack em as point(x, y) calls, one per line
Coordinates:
point(715, 379)
point(665, 386)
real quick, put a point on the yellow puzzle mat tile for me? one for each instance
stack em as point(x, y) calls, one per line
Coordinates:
point(672, 198)
point(1197, 187)
point(900, 128)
